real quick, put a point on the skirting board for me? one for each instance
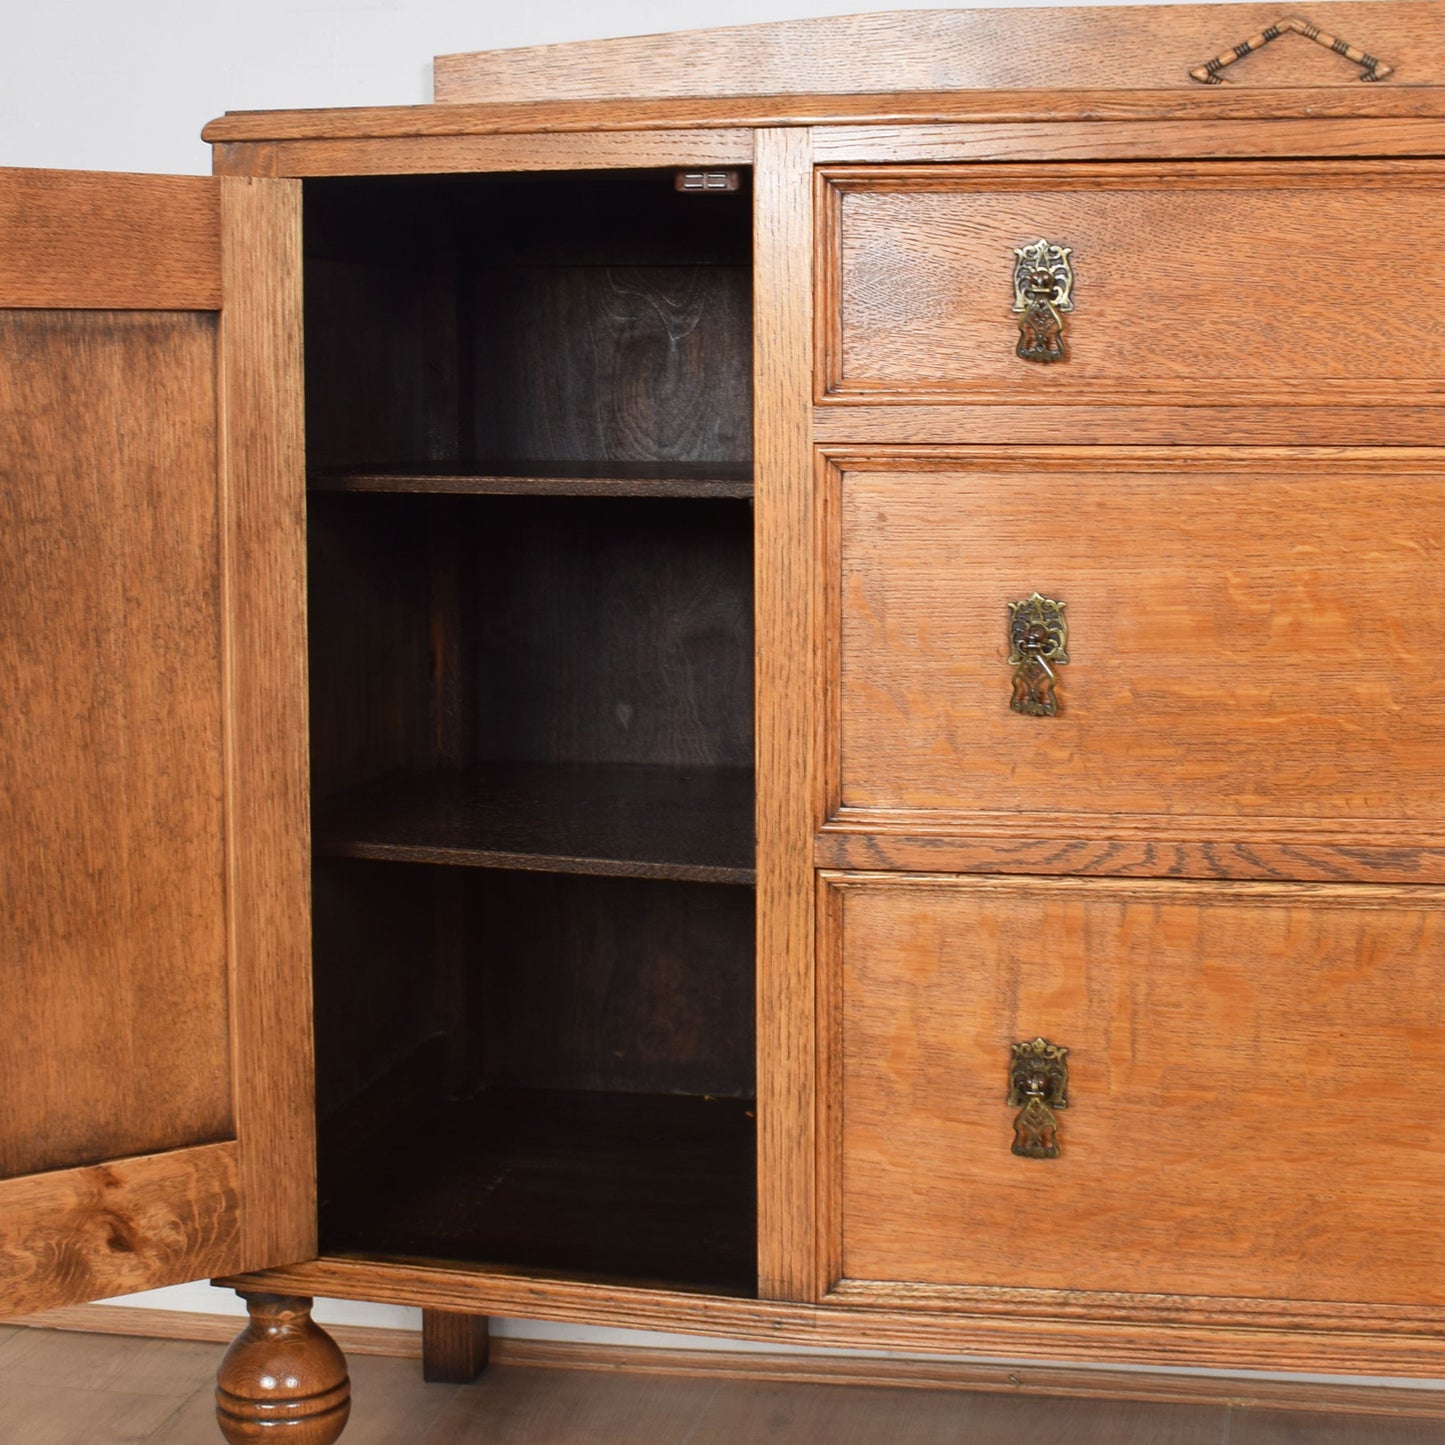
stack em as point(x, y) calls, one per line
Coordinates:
point(1405, 1402)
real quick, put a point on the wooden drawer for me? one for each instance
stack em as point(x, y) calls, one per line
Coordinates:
point(1251, 1068)
point(1246, 283)
point(1251, 647)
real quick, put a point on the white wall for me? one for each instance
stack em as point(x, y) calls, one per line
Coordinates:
point(105, 85)
point(128, 84)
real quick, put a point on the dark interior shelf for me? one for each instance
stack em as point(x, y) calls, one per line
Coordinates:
point(646, 1188)
point(619, 820)
point(543, 478)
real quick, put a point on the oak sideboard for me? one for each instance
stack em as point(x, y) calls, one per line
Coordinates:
point(778, 683)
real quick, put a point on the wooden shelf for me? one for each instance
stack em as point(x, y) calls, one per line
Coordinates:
point(618, 820)
point(647, 1188)
point(544, 479)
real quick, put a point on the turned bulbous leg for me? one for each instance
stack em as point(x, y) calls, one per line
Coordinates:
point(283, 1380)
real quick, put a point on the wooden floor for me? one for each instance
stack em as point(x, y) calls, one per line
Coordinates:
point(63, 1388)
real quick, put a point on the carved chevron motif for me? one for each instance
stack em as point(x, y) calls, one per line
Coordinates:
point(1208, 74)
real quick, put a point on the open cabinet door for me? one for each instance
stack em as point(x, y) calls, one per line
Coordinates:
point(155, 1037)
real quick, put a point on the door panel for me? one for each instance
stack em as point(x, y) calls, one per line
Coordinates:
point(154, 975)
point(111, 575)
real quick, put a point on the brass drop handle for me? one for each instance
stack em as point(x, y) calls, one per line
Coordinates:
point(1038, 635)
point(1043, 292)
point(1039, 1082)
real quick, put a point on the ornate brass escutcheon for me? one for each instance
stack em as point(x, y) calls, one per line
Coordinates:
point(1038, 635)
point(1039, 1081)
point(1043, 291)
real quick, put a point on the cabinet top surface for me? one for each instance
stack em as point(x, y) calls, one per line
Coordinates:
point(1234, 61)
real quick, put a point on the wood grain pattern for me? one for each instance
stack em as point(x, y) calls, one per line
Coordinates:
point(916, 282)
point(636, 362)
point(1291, 1338)
point(618, 820)
point(609, 636)
point(808, 109)
point(532, 478)
point(454, 1346)
point(264, 596)
point(1155, 425)
point(857, 846)
point(453, 155)
point(111, 807)
point(612, 985)
point(1257, 1111)
point(70, 239)
point(960, 49)
point(282, 1375)
point(139, 626)
point(1127, 140)
point(787, 805)
point(1183, 608)
point(131, 1224)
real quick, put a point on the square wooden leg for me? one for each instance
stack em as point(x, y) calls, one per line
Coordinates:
point(453, 1346)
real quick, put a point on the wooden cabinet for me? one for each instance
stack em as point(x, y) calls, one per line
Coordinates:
point(636, 786)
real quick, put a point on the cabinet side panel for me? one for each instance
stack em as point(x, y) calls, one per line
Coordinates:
point(787, 806)
point(111, 793)
point(263, 483)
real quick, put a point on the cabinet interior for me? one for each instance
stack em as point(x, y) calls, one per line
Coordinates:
point(530, 537)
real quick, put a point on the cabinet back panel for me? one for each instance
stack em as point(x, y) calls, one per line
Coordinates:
point(615, 631)
point(640, 363)
point(111, 803)
point(618, 984)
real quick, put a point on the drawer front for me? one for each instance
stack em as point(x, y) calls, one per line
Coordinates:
point(1251, 1074)
point(1248, 283)
point(1252, 642)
